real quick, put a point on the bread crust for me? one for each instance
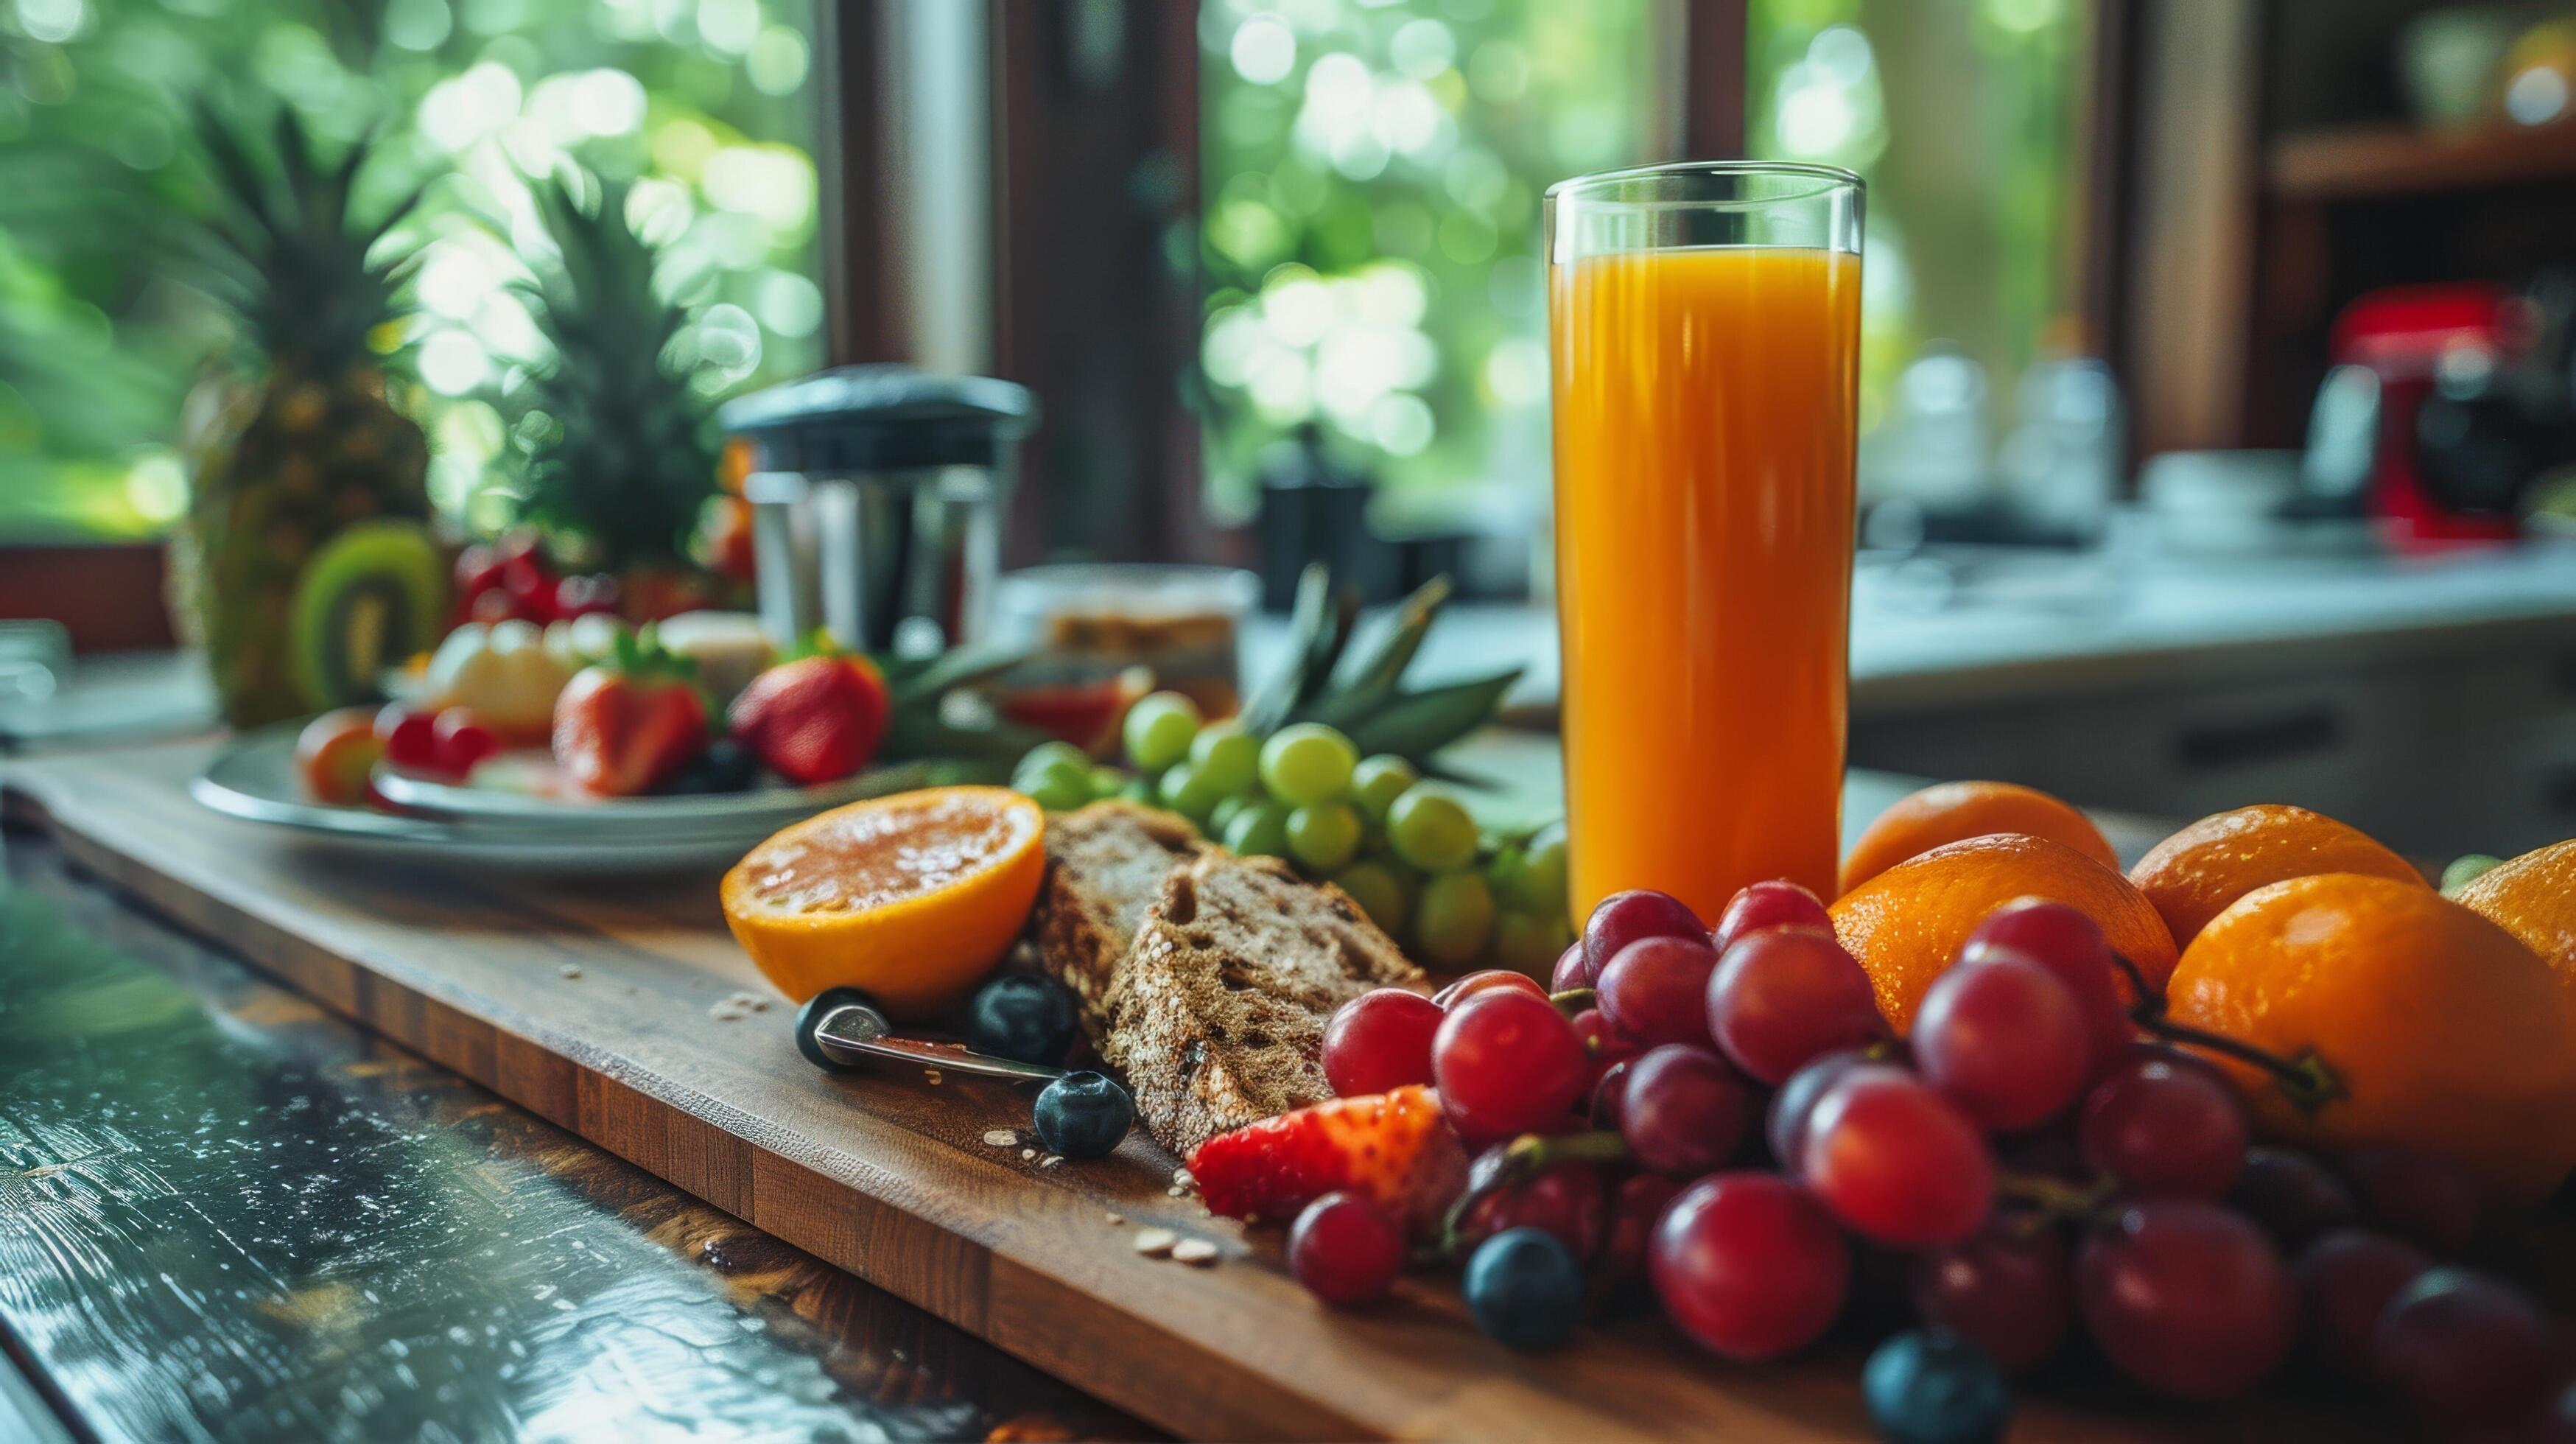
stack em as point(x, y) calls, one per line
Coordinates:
point(1106, 864)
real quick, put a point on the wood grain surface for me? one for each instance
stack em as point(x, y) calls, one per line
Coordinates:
point(590, 1006)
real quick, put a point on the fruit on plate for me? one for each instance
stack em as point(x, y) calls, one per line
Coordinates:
point(1908, 923)
point(336, 756)
point(2533, 897)
point(911, 898)
point(2193, 875)
point(815, 719)
point(373, 595)
point(288, 452)
point(502, 672)
point(1394, 1149)
point(729, 649)
point(2448, 1035)
point(623, 727)
point(1956, 811)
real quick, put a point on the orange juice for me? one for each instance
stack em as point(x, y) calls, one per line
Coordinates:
point(1704, 430)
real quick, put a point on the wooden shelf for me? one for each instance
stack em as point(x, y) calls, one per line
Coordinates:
point(2360, 162)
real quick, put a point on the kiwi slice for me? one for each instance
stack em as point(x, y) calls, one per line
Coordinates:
point(373, 595)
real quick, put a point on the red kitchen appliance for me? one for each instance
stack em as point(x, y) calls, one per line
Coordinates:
point(2466, 409)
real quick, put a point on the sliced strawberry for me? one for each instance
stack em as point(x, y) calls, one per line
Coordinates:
point(624, 726)
point(1393, 1148)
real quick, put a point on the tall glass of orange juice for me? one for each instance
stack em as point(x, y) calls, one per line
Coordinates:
point(1705, 324)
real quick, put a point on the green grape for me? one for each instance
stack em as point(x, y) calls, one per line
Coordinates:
point(1107, 782)
point(1059, 791)
point(1259, 830)
point(1182, 791)
point(1307, 763)
point(1378, 781)
point(1432, 830)
point(1540, 885)
point(1227, 757)
point(2466, 870)
point(1224, 813)
point(1379, 892)
point(1526, 942)
point(1454, 918)
point(1503, 870)
point(1158, 730)
point(1324, 835)
point(1056, 756)
point(1137, 789)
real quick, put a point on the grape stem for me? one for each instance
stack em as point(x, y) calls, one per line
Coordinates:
point(1573, 1000)
point(2055, 1197)
point(1524, 1158)
point(2304, 1078)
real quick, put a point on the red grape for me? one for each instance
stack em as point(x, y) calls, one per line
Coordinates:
point(1507, 1062)
point(1748, 1265)
point(2164, 1131)
point(2071, 946)
point(1898, 1163)
point(1609, 1091)
point(1785, 995)
point(2463, 1349)
point(1570, 972)
point(1380, 1040)
point(2292, 1196)
point(1786, 1127)
point(2345, 1282)
point(2188, 1299)
point(2008, 1290)
point(1683, 1111)
point(1635, 1207)
point(1565, 1201)
point(2004, 1039)
point(1654, 989)
point(1772, 904)
point(1461, 989)
point(410, 738)
point(1345, 1249)
point(461, 741)
point(1626, 917)
point(2424, 1200)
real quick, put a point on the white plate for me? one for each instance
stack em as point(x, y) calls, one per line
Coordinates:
point(255, 779)
point(523, 792)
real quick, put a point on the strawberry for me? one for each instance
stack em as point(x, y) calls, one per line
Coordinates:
point(1392, 1148)
point(624, 726)
point(815, 719)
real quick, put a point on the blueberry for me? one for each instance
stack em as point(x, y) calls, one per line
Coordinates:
point(726, 766)
point(1927, 1387)
point(1523, 1288)
point(1021, 1017)
point(1083, 1115)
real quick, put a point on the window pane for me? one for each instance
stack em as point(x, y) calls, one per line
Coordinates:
point(1372, 183)
point(706, 102)
point(1959, 114)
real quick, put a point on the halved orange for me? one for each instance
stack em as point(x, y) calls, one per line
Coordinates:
point(912, 897)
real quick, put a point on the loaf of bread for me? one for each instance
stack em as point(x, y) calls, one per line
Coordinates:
point(1216, 1015)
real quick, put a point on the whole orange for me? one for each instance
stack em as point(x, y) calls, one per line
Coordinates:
point(2193, 875)
point(2533, 897)
point(2445, 1033)
point(1956, 811)
point(1907, 924)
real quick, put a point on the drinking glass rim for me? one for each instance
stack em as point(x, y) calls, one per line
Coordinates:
point(1828, 178)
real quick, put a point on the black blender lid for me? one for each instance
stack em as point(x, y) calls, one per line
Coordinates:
point(881, 418)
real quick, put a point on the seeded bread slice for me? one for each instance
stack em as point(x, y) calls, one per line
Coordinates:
point(1105, 867)
point(1217, 1016)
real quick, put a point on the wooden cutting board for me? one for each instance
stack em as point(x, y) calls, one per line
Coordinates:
point(594, 1006)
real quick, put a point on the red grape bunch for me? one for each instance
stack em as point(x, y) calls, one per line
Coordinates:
point(1722, 1120)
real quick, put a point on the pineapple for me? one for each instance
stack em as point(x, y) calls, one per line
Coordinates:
point(617, 453)
point(297, 440)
